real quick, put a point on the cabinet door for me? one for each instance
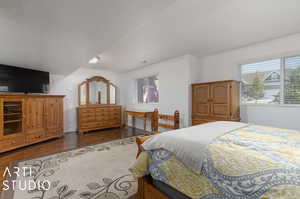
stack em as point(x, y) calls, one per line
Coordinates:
point(1, 119)
point(12, 117)
point(34, 121)
point(201, 97)
point(54, 116)
point(220, 95)
point(12, 123)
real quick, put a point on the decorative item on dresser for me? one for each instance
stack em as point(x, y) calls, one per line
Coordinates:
point(29, 118)
point(215, 101)
point(97, 105)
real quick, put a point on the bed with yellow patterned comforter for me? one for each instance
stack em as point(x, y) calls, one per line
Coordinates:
point(251, 162)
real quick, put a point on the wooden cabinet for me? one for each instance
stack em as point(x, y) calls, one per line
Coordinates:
point(98, 117)
point(27, 119)
point(215, 101)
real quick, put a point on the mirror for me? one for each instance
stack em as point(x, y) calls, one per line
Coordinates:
point(82, 93)
point(112, 91)
point(97, 90)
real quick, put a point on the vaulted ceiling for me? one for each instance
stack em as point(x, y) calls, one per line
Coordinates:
point(61, 35)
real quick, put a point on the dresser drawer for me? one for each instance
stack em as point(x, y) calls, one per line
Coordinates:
point(88, 114)
point(107, 115)
point(86, 110)
point(101, 110)
point(102, 114)
point(88, 125)
point(88, 119)
point(107, 110)
point(83, 115)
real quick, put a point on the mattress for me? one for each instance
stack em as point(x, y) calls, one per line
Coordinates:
point(251, 162)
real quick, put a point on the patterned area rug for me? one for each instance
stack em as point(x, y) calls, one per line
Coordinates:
point(93, 172)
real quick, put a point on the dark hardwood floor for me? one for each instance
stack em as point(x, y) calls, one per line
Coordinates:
point(69, 141)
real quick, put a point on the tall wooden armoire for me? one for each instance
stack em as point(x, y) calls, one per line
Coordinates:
point(215, 101)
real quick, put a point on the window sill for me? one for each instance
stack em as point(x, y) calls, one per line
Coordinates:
point(273, 105)
point(146, 104)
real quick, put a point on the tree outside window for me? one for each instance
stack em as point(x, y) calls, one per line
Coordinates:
point(261, 82)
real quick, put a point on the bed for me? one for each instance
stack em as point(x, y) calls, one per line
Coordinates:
point(245, 162)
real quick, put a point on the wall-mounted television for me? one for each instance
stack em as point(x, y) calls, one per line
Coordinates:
point(21, 80)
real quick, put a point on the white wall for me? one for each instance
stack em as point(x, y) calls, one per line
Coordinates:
point(226, 66)
point(174, 88)
point(68, 86)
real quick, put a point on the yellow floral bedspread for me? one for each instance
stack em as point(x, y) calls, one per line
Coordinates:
point(252, 162)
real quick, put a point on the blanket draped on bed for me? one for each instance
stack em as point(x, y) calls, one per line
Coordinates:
point(189, 145)
point(248, 163)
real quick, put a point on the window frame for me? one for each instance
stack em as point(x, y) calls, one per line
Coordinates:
point(137, 94)
point(282, 83)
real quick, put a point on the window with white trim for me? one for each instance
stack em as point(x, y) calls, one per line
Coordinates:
point(275, 81)
point(147, 89)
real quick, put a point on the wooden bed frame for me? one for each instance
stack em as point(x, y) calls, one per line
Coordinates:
point(146, 190)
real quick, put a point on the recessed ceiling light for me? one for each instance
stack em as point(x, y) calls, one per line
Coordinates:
point(94, 60)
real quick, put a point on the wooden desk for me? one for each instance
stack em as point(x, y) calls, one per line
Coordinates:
point(140, 114)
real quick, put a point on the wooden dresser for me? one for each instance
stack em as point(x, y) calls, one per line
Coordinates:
point(95, 117)
point(215, 101)
point(26, 119)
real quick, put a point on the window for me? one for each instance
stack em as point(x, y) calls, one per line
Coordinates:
point(147, 89)
point(275, 81)
point(292, 80)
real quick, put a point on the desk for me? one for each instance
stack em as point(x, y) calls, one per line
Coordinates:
point(140, 114)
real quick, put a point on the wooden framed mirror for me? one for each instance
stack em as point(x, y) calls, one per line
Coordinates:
point(82, 92)
point(97, 91)
point(112, 92)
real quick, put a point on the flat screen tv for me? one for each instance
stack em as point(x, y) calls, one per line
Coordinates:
point(21, 80)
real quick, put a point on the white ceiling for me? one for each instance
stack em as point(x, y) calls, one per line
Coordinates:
point(61, 35)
